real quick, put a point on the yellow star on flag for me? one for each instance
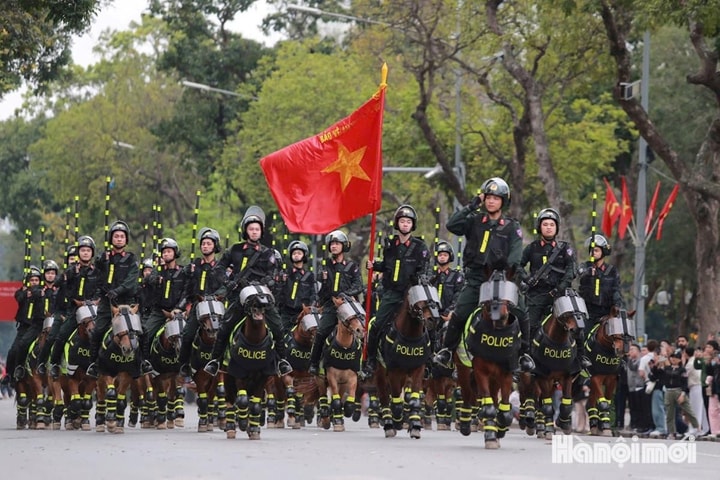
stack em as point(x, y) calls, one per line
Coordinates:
point(348, 165)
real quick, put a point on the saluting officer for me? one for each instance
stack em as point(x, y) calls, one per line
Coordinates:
point(339, 276)
point(406, 258)
point(494, 242)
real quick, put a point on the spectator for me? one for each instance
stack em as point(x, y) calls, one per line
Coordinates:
point(674, 377)
point(712, 351)
point(656, 393)
point(640, 405)
point(621, 395)
point(580, 394)
point(695, 367)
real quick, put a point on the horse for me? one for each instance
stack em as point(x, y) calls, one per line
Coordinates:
point(76, 384)
point(250, 360)
point(209, 312)
point(118, 366)
point(35, 391)
point(439, 388)
point(298, 390)
point(340, 362)
point(488, 355)
point(606, 344)
point(554, 351)
point(165, 357)
point(405, 351)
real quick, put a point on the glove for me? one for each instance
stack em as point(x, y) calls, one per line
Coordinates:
point(476, 202)
point(231, 285)
point(112, 295)
point(524, 287)
point(554, 293)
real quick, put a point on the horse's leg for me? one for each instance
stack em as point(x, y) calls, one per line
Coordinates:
point(123, 381)
point(351, 403)
point(397, 398)
point(441, 405)
point(415, 403)
point(218, 408)
point(271, 402)
point(323, 412)
point(486, 402)
point(526, 387)
point(111, 400)
point(101, 407)
point(464, 411)
point(232, 397)
point(201, 379)
point(256, 410)
point(605, 405)
point(88, 385)
point(334, 377)
point(178, 412)
point(592, 404)
point(151, 401)
point(504, 415)
point(564, 421)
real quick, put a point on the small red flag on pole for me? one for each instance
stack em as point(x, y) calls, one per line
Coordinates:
point(666, 209)
point(611, 212)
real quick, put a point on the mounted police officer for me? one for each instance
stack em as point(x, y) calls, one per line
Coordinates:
point(250, 261)
point(599, 281)
point(146, 295)
point(118, 271)
point(79, 283)
point(170, 286)
point(405, 260)
point(339, 276)
point(448, 281)
point(296, 286)
point(494, 242)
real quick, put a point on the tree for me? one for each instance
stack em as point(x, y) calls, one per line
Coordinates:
point(35, 39)
point(698, 173)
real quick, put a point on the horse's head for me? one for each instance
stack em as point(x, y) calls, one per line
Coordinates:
point(126, 328)
point(620, 328)
point(351, 317)
point(255, 299)
point(497, 295)
point(424, 304)
point(570, 311)
point(307, 322)
point(174, 326)
point(48, 322)
point(85, 317)
point(209, 313)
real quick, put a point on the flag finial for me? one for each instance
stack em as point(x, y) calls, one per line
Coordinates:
point(383, 75)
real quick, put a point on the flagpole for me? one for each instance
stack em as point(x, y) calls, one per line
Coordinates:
point(368, 295)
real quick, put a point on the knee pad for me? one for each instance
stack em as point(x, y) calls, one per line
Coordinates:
point(441, 405)
point(242, 402)
point(255, 406)
point(349, 407)
point(23, 401)
point(271, 402)
point(87, 404)
point(374, 403)
point(121, 405)
point(75, 406)
point(547, 409)
point(414, 401)
point(488, 411)
point(111, 394)
point(336, 403)
point(220, 391)
point(604, 404)
point(505, 415)
point(565, 409)
point(202, 403)
point(397, 409)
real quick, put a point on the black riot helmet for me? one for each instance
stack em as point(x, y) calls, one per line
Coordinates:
point(50, 265)
point(498, 187)
point(254, 214)
point(120, 226)
point(86, 241)
point(444, 246)
point(338, 236)
point(213, 235)
point(548, 214)
point(600, 241)
point(298, 245)
point(406, 211)
point(33, 271)
point(169, 243)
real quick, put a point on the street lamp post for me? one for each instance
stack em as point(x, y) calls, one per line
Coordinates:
point(208, 88)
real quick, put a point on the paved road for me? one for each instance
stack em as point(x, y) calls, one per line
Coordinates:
point(357, 454)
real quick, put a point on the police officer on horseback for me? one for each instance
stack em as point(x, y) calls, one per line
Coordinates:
point(599, 281)
point(118, 270)
point(79, 283)
point(339, 277)
point(296, 285)
point(203, 282)
point(494, 242)
point(249, 261)
point(405, 260)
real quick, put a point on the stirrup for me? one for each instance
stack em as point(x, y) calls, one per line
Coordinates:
point(314, 369)
point(443, 358)
point(19, 373)
point(92, 370)
point(55, 370)
point(212, 367)
point(185, 370)
point(585, 362)
point(42, 369)
point(368, 369)
point(526, 363)
point(284, 367)
point(146, 367)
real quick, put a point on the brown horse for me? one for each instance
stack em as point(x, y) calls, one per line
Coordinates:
point(606, 343)
point(439, 387)
point(555, 354)
point(118, 366)
point(298, 390)
point(405, 352)
point(77, 385)
point(209, 313)
point(249, 361)
point(37, 392)
point(165, 356)
point(341, 362)
point(491, 338)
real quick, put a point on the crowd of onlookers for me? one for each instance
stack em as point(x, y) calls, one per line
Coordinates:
point(670, 390)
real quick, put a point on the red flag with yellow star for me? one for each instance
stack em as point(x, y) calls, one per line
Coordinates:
point(334, 177)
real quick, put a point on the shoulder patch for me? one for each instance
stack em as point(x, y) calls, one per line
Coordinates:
point(519, 232)
point(570, 251)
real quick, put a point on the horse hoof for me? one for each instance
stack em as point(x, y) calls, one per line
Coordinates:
point(202, 428)
point(180, 422)
point(170, 424)
point(57, 426)
point(390, 433)
point(161, 426)
point(594, 431)
point(40, 426)
point(230, 434)
point(117, 430)
point(442, 427)
point(100, 428)
point(85, 427)
point(606, 433)
point(492, 444)
point(325, 423)
point(254, 435)
point(338, 428)
point(548, 436)
point(530, 431)
point(415, 433)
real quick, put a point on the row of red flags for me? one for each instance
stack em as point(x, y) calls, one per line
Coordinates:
point(614, 212)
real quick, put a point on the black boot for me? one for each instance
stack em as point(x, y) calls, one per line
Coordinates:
point(283, 365)
point(368, 369)
point(581, 353)
point(443, 357)
point(317, 348)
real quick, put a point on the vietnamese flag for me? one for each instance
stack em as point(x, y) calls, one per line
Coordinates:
point(651, 210)
point(611, 212)
point(625, 211)
point(666, 209)
point(334, 177)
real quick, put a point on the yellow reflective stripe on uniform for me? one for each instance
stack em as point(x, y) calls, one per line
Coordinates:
point(484, 243)
point(244, 264)
point(47, 304)
point(544, 259)
point(597, 287)
point(111, 274)
point(396, 273)
point(336, 283)
point(202, 280)
point(167, 289)
point(440, 289)
point(294, 290)
point(30, 310)
point(82, 287)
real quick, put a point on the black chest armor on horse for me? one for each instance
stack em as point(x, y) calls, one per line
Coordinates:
point(77, 353)
point(552, 356)
point(604, 360)
point(201, 352)
point(493, 344)
point(245, 359)
point(488, 245)
point(297, 355)
point(164, 360)
point(112, 360)
point(400, 351)
point(337, 356)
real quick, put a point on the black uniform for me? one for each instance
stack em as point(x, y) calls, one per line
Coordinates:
point(600, 288)
point(342, 278)
point(29, 320)
point(296, 288)
point(403, 263)
point(449, 283)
